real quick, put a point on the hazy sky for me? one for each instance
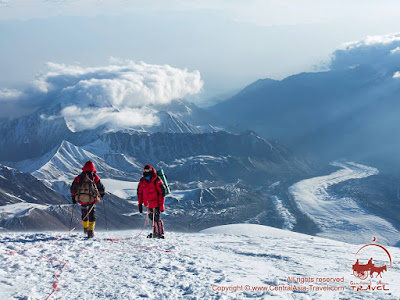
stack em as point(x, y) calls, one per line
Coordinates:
point(232, 43)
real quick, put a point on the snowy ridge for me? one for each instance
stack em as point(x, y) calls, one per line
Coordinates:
point(63, 159)
point(341, 218)
point(10, 210)
point(123, 162)
point(187, 112)
point(196, 265)
point(33, 135)
point(63, 164)
point(16, 187)
point(288, 219)
point(210, 128)
point(26, 136)
point(172, 124)
point(68, 161)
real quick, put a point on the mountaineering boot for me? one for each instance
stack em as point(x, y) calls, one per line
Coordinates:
point(90, 229)
point(85, 225)
point(158, 230)
point(160, 226)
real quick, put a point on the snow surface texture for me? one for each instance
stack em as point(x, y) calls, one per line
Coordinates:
point(196, 265)
point(342, 218)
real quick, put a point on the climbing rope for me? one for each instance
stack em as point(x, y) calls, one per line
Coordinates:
point(64, 264)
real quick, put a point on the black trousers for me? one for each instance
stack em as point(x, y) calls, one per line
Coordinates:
point(85, 208)
point(157, 215)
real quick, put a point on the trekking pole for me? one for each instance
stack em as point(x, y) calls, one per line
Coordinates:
point(153, 221)
point(105, 214)
point(72, 216)
point(149, 221)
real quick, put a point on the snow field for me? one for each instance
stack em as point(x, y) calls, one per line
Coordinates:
point(198, 264)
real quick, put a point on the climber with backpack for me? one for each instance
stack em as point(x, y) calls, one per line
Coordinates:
point(151, 192)
point(86, 189)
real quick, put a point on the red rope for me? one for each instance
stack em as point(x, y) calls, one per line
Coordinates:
point(64, 264)
point(12, 252)
point(56, 274)
point(139, 246)
point(136, 236)
point(69, 232)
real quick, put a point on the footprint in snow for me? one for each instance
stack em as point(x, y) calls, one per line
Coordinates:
point(192, 270)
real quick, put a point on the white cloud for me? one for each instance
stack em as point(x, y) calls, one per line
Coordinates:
point(396, 75)
point(9, 94)
point(374, 40)
point(90, 118)
point(126, 84)
point(120, 94)
point(395, 50)
point(375, 51)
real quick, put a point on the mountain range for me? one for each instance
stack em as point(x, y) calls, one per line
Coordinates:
point(341, 113)
point(220, 172)
point(209, 168)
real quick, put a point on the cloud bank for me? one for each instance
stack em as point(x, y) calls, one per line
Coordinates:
point(380, 52)
point(121, 94)
point(9, 94)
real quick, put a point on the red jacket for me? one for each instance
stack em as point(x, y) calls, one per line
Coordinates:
point(151, 193)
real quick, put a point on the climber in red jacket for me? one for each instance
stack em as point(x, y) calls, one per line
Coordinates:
point(151, 193)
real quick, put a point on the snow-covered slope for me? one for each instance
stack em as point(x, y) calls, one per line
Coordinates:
point(64, 163)
point(172, 124)
point(27, 204)
point(59, 167)
point(342, 218)
point(188, 112)
point(17, 187)
point(237, 258)
point(33, 135)
point(168, 147)
point(123, 162)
